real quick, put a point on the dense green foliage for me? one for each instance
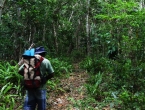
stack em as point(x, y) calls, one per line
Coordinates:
point(11, 83)
point(79, 29)
point(118, 83)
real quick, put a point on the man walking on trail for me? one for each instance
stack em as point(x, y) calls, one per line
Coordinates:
point(37, 97)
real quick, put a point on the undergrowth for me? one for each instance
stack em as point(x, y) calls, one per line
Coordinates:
point(114, 83)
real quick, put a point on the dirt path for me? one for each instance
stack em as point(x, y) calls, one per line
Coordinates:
point(72, 88)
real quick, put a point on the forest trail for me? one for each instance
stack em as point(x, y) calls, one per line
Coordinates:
point(73, 87)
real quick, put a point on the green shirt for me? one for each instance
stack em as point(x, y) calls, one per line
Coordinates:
point(45, 69)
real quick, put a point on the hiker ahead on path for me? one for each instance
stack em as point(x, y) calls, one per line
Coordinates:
point(37, 70)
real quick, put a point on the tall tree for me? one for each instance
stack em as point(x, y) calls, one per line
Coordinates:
point(2, 2)
point(88, 27)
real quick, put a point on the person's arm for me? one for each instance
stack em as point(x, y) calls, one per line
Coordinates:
point(49, 71)
point(49, 76)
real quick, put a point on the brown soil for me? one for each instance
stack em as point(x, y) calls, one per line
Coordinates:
point(71, 87)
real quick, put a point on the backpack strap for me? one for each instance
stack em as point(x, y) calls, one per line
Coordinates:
point(38, 63)
point(28, 70)
point(37, 66)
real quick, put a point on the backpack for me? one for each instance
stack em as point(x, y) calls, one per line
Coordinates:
point(31, 66)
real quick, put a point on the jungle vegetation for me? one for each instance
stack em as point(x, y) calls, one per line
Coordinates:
point(106, 38)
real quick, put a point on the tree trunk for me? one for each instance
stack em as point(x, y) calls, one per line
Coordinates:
point(44, 32)
point(77, 36)
point(0, 12)
point(55, 38)
point(2, 2)
point(87, 28)
point(142, 4)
